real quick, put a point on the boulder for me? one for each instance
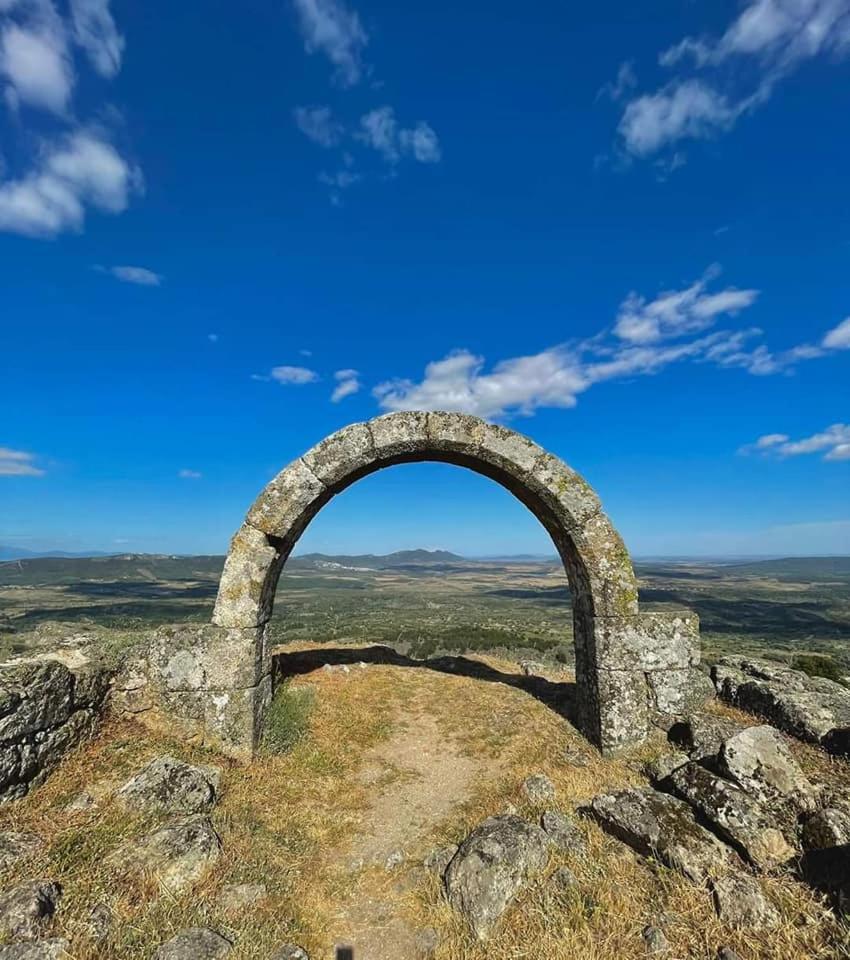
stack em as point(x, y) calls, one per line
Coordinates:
point(563, 833)
point(661, 767)
point(701, 735)
point(491, 867)
point(738, 817)
point(171, 786)
point(194, 943)
point(55, 949)
point(177, 854)
point(829, 827)
point(758, 760)
point(26, 909)
point(15, 845)
point(538, 788)
point(235, 897)
point(656, 824)
point(740, 902)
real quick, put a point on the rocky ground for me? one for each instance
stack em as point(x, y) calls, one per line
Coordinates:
point(445, 814)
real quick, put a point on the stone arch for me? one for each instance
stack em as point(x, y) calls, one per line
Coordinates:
point(625, 660)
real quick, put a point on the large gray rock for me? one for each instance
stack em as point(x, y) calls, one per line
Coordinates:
point(491, 867)
point(25, 910)
point(758, 760)
point(171, 786)
point(55, 949)
point(176, 854)
point(810, 708)
point(39, 693)
point(656, 824)
point(15, 846)
point(679, 692)
point(563, 833)
point(829, 827)
point(737, 816)
point(701, 735)
point(740, 902)
point(194, 943)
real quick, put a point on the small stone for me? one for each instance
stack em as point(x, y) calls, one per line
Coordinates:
point(531, 668)
point(394, 859)
point(575, 758)
point(563, 879)
point(82, 803)
point(656, 943)
point(240, 896)
point(55, 949)
point(538, 788)
point(437, 860)
point(170, 786)
point(739, 901)
point(26, 909)
point(727, 953)
point(491, 867)
point(194, 943)
point(289, 951)
point(99, 922)
point(563, 833)
point(16, 846)
point(427, 941)
point(176, 854)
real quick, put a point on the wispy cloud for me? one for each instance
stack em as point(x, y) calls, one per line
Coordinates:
point(648, 335)
point(839, 337)
point(379, 129)
point(18, 463)
point(707, 96)
point(78, 167)
point(294, 375)
point(348, 383)
point(332, 28)
point(185, 474)
point(138, 275)
point(319, 125)
point(833, 443)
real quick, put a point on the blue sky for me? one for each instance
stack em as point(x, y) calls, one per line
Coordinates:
point(623, 229)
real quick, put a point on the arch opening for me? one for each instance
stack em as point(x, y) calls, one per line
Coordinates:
point(624, 659)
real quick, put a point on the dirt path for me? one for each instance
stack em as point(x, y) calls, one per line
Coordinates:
point(415, 779)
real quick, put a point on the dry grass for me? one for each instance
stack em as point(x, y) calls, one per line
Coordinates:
point(287, 821)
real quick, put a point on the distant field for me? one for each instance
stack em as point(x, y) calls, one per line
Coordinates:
point(423, 603)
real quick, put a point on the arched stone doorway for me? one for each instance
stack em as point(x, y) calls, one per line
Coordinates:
point(629, 666)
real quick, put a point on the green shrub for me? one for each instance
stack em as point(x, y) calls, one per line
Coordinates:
point(818, 665)
point(287, 718)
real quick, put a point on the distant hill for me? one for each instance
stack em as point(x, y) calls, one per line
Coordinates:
point(17, 553)
point(371, 561)
point(794, 568)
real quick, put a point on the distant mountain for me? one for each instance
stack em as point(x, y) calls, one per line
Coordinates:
point(794, 568)
point(17, 553)
point(371, 561)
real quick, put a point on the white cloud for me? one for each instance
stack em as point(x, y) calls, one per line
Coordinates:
point(138, 275)
point(647, 337)
point(839, 337)
point(95, 31)
point(735, 73)
point(189, 474)
point(319, 125)
point(348, 383)
point(36, 64)
point(834, 443)
point(379, 129)
point(626, 80)
point(677, 312)
point(84, 170)
point(212, 337)
point(330, 27)
point(296, 375)
point(18, 463)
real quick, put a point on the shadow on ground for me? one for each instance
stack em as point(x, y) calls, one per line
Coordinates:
point(558, 696)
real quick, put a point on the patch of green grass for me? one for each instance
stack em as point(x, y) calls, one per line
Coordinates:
point(819, 665)
point(287, 719)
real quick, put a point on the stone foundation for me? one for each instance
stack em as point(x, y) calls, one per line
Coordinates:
point(45, 711)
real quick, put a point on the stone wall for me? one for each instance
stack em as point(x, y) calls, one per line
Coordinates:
point(46, 709)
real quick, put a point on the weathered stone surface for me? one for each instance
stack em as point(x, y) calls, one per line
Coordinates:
point(170, 786)
point(176, 854)
point(656, 942)
point(661, 767)
point(54, 949)
point(244, 594)
point(399, 434)
point(758, 760)
point(676, 693)
point(738, 817)
point(531, 668)
point(288, 502)
point(15, 845)
point(437, 860)
point(563, 833)
point(235, 897)
point(454, 432)
point(810, 708)
point(702, 734)
point(740, 902)
point(563, 879)
point(41, 692)
point(194, 943)
point(647, 641)
point(99, 923)
point(234, 717)
point(656, 824)
point(289, 951)
point(341, 455)
point(538, 788)
point(193, 658)
point(26, 909)
point(624, 708)
point(491, 868)
point(825, 828)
